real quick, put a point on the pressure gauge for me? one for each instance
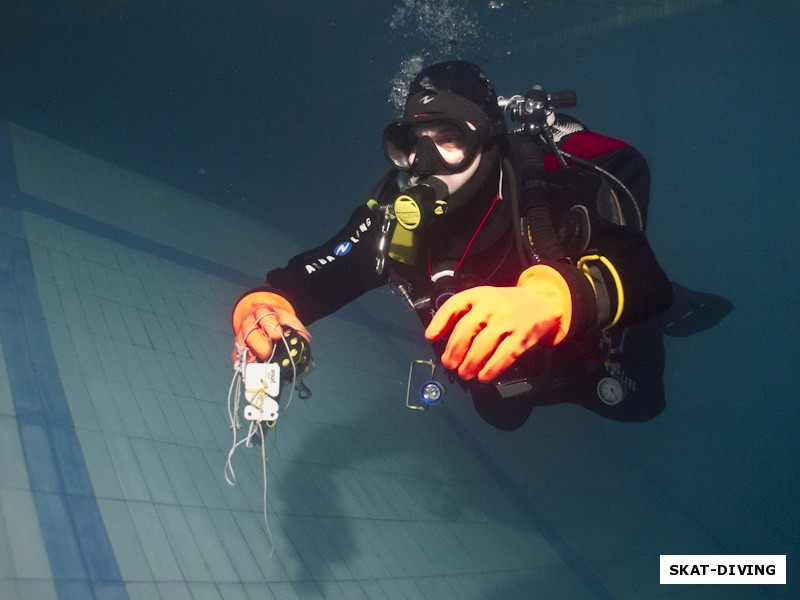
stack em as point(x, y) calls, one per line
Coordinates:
point(611, 391)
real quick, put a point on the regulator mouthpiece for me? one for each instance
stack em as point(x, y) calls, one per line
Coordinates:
point(418, 205)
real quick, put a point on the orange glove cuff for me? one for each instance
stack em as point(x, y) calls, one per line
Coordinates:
point(550, 282)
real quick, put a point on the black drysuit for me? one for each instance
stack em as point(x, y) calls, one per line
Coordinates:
point(586, 223)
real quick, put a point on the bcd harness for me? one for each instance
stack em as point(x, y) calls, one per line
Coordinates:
point(555, 215)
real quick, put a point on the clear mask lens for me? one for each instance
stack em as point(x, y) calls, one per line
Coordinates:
point(440, 147)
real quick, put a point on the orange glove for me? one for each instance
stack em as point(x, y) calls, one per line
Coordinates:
point(257, 318)
point(490, 327)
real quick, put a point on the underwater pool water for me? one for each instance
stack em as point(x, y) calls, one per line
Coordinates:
point(154, 164)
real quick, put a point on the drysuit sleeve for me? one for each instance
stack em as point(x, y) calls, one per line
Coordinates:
point(321, 280)
point(618, 285)
point(617, 280)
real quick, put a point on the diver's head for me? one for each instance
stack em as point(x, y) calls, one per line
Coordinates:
point(450, 118)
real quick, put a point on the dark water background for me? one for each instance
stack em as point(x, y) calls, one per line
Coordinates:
point(254, 104)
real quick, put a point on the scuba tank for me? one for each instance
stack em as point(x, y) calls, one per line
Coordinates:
point(556, 224)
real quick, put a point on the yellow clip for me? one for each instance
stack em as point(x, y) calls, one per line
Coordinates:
point(583, 266)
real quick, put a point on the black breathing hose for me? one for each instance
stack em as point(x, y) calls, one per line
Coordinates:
point(537, 225)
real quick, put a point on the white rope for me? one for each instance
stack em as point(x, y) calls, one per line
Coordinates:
point(243, 358)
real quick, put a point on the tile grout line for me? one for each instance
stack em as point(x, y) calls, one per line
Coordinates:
point(78, 547)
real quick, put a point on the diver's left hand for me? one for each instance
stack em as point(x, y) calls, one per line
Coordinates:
point(490, 327)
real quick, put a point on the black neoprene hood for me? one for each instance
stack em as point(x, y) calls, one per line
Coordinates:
point(458, 90)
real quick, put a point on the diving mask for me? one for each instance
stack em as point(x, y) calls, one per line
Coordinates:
point(438, 147)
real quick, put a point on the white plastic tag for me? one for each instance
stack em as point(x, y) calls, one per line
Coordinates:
point(268, 411)
point(260, 378)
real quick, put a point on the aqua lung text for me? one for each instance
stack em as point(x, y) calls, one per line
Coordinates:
point(340, 249)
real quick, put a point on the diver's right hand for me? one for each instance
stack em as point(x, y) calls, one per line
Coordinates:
point(257, 320)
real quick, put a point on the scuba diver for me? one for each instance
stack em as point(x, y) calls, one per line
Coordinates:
point(523, 252)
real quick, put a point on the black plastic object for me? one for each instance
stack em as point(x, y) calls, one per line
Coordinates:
point(292, 354)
